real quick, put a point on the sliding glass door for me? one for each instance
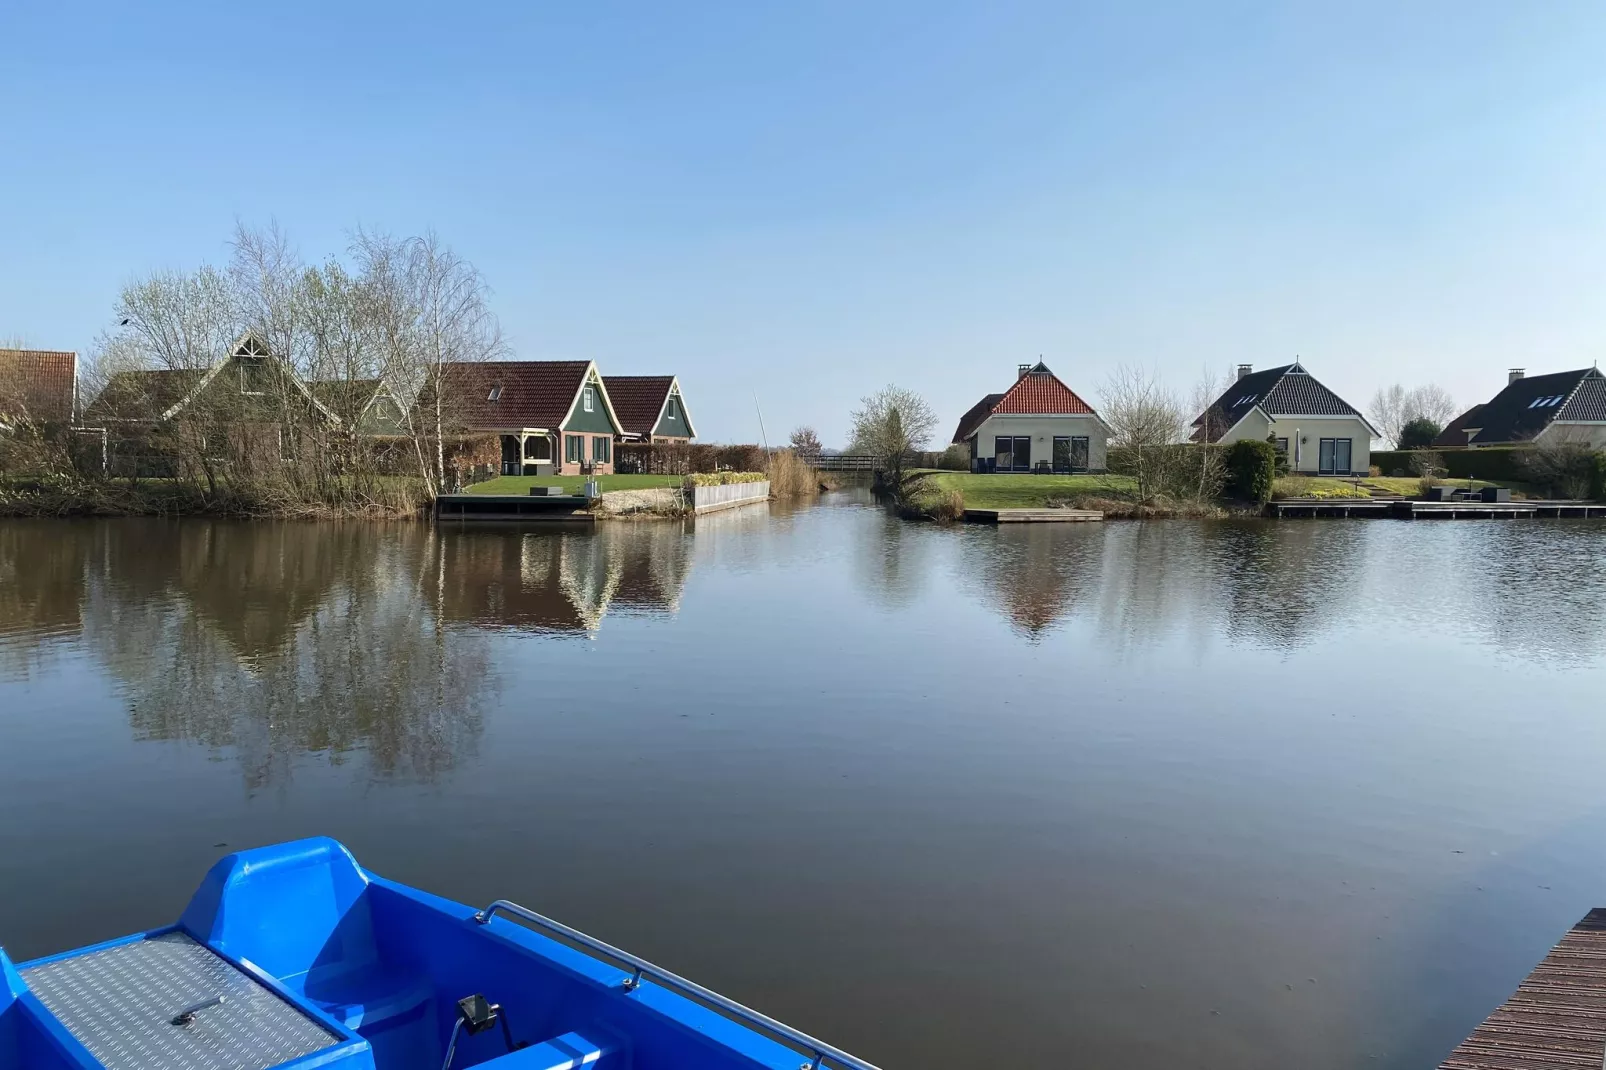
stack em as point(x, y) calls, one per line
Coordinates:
point(1334, 456)
point(1012, 453)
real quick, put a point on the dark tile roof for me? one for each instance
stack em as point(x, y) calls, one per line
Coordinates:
point(37, 384)
point(1038, 392)
point(1528, 405)
point(1455, 432)
point(142, 395)
point(529, 393)
point(1288, 390)
point(637, 400)
point(1588, 401)
point(975, 415)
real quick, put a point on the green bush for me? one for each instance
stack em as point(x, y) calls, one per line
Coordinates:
point(1419, 433)
point(1251, 469)
point(1597, 478)
point(719, 479)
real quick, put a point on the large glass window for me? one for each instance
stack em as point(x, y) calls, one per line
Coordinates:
point(601, 448)
point(1334, 456)
point(574, 448)
point(1003, 453)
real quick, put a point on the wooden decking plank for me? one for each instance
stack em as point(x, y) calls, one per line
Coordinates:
point(1557, 1016)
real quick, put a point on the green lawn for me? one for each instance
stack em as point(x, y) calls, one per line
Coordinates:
point(1019, 490)
point(521, 484)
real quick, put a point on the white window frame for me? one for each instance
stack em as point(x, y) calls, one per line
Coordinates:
point(586, 398)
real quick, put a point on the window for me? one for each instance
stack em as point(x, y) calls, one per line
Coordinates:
point(669, 410)
point(1282, 446)
point(495, 394)
point(586, 399)
point(601, 448)
point(253, 375)
point(574, 448)
point(1070, 453)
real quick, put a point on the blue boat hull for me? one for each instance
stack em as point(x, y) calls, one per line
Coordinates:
point(296, 956)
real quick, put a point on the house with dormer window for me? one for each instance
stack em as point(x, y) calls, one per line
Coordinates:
point(1316, 430)
point(1561, 407)
point(553, 417)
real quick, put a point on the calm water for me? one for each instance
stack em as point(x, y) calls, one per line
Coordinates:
point(1172, 794)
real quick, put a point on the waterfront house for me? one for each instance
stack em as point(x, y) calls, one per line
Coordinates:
point(1316, 430)
point(242, 406)
point(650, 408)
point(37, 387)
point(367, 407)
point(1038, 425)
point(1561, 407)
point(553, 417)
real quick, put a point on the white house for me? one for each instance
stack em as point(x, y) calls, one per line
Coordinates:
point(1319, 432)
point(1038, 425)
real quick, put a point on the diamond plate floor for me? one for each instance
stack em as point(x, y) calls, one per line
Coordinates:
point(120, 1003)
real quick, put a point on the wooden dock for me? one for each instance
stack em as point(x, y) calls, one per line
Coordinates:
point(1407, 509)
point(1556, 1018)
point(1031, 516)
point(516, 508)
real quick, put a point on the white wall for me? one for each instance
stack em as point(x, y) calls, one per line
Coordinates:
point(1042, 430)
point(1312, 429)
point(1592, 435)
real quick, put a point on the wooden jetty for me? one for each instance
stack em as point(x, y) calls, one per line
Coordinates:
point(1556, 1018)
point(1407, 509)
point(518, 508)
point(1031, 516)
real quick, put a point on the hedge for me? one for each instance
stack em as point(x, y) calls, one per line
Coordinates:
point(1498, 463)
point(1251, 469)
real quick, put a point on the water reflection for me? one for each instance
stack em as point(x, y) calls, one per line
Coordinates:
point(1037, 574)
point(562, 583)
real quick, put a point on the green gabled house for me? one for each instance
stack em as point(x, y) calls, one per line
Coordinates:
point(553, 417)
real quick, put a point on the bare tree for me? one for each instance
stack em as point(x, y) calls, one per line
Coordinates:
point(1207, 461)
point(1146, 422)
point(1388, 412)
point(431, 316)
point(806, 442)
point(1394, 406)
point(889, 425)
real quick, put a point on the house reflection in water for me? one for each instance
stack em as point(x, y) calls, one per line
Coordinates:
point(561, 582)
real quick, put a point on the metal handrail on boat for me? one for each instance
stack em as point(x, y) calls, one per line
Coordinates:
point(819, 1050)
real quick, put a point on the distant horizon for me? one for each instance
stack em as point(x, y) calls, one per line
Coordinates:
point(808, 204)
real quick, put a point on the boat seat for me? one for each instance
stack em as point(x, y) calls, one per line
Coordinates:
point(366, 996)
point(571, 1051)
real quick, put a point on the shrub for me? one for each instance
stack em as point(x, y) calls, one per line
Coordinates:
point(1564, 468)
point(719, 479)
point(956, 458)
point(1597, 478)
point(1418, 433)
point(1496, 463)
point(1251, 469)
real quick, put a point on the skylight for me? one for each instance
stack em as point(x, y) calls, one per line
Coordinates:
point(1546, 402)
point(495, 394)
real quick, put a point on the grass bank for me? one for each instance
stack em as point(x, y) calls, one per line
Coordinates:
point(1113, 495)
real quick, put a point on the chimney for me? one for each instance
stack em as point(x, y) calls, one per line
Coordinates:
point(1513, 375)
point(1245, 369)
point(1021, 370)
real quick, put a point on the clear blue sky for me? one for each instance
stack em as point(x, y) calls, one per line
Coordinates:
point(810, 200)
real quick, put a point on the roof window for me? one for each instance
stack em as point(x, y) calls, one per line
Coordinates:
point(495, 394)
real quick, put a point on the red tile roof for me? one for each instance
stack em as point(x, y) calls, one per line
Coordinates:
point(529, 393)
point(1038, 393)
point(637, 400)
point(37, 384)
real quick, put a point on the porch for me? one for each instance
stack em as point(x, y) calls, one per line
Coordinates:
point(528, 453)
